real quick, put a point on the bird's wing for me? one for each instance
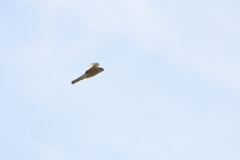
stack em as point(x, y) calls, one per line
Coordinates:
point(92, 67)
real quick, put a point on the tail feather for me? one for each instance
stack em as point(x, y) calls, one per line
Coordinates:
point(78, 79)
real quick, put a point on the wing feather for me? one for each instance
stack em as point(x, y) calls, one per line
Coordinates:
point(92, 67)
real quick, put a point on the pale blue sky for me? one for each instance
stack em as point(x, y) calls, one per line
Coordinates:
point(170, 89)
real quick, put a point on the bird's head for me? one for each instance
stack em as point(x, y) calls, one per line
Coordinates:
point(100, 69)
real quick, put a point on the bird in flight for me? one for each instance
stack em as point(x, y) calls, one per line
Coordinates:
point(92, 70)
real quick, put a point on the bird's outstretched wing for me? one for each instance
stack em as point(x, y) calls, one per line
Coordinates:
point(92, 67)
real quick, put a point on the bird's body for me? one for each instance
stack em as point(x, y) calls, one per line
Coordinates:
point(92, 70)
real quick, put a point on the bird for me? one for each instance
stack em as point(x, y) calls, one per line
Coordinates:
point(92, 70)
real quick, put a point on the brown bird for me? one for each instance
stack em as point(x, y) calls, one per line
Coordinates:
point(92, 70)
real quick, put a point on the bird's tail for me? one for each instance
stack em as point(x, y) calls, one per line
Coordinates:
point(78, 79)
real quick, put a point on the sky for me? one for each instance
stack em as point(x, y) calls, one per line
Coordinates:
point(170, 89)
